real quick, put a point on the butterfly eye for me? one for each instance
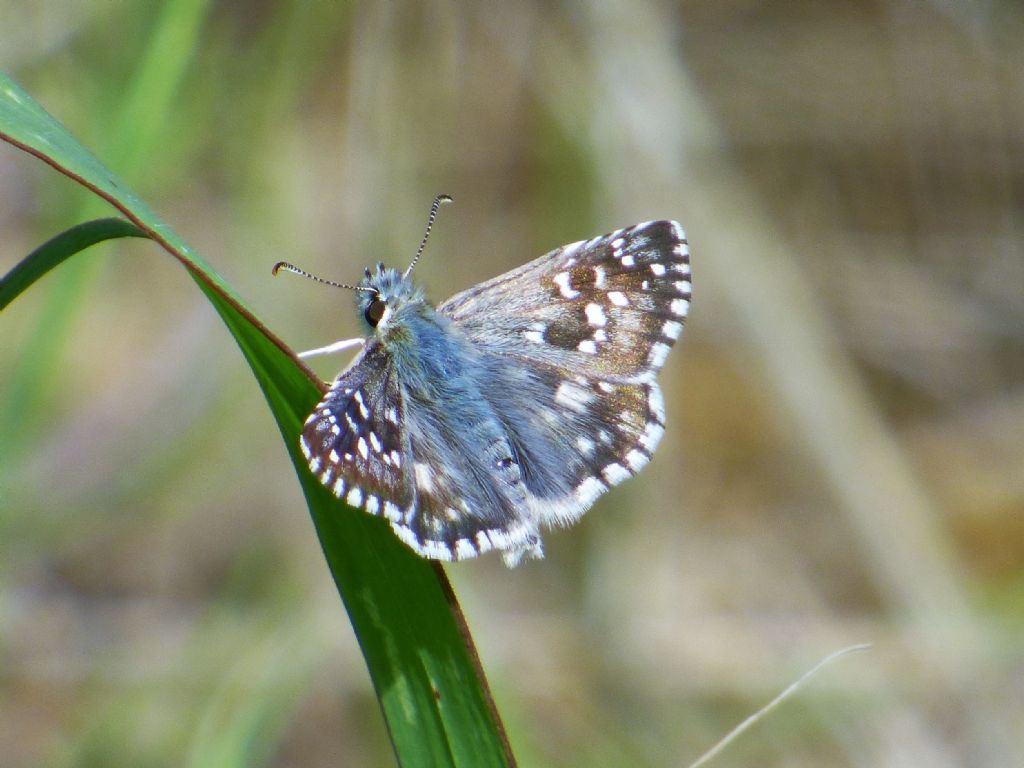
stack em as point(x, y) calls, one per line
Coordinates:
point(375, 311)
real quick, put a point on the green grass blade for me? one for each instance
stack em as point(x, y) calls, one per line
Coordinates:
point(427, 677)
point(29, 270)
point(57, 249)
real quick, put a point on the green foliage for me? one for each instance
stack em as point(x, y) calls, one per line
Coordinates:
point(409, 626)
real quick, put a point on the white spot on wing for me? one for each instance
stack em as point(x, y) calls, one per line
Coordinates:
point(573, 396)
point(562, 281)
point(570, 250)
point(671, 329)
point(679, 307)
point(392, 512)
point(628, 260)
point(659, 351)
point(618, 298)
point(636, 460)
point(587, 346)
point(464, 548)
point(656, 403)
point(424, 476)
point(437, 550)
point(615, 473)
point(358, 397)
point(355, 497)
point(585, 444)
point(588, 491)
point(434, 550)
point(658, 269)
point(361, 447)
point(652, 436)
point(595, 315)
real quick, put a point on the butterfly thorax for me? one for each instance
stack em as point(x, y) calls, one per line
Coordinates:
point(439, 381)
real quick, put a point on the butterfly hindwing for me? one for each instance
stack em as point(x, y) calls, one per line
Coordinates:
point(470, 496)
point(579, 436)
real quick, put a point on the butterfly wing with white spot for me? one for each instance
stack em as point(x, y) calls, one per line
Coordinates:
point(609, 308)
point(470, 496)
point(353, 439)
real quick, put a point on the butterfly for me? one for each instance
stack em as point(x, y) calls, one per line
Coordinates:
point(513, 405)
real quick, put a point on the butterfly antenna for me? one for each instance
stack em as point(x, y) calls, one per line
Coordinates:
point(430, 223)
point(292, 268)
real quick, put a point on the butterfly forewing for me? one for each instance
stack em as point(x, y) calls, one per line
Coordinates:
point(610, 307)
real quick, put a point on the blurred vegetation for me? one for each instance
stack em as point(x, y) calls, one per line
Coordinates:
point(845, 446)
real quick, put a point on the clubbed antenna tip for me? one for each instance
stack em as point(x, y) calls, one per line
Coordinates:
point(287, 267)
point(438, 201)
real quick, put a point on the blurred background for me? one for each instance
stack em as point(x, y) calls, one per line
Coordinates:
point(844, 459)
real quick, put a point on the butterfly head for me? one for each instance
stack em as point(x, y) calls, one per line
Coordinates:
point(384, 294)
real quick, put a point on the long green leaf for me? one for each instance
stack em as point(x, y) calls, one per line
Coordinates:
point(57, 249)
point(428, 680)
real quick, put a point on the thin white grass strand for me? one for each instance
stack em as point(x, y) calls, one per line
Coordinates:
point(789, 691)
